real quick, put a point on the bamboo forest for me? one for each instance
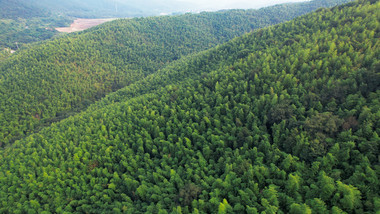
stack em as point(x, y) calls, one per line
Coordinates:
point(274, 110)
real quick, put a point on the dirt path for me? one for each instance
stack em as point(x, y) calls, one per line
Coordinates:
point(82, 24)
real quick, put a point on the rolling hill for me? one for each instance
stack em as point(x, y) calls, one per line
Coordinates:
point(26, 21)
point(61, 77)
point(111, 8)
point(281, 120)
point(22, 22)
point(13, 9)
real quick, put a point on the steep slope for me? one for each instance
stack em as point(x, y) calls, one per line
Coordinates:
point(50, 81)
point(285, 119)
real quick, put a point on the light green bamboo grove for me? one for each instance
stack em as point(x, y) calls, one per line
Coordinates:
point(59, 78)
point(282, 120)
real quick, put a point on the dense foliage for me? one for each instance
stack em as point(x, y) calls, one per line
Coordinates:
point(51, 81)
point(4, 54)
point(27, 21)
point(13, 9)
point(16, 33)
point(282, 120)
point(23, 22)
point(107, 8)
point(110, 8)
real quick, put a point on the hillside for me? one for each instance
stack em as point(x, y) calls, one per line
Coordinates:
point(27, 21)
point(112, 8)
point(58, 78)
point(23, 22)
point(119, 8)
point(18, 34)
point(13, 9)
point(284, 119)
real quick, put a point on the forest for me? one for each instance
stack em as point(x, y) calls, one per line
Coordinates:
point(22, 32)
point(284, 119)
point(13, 9)
point(22, 23)
point(28, 21)
point(60, 77)
point(96, 8)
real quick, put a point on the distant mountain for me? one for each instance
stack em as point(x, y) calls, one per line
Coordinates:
point(109, 8)
point(89, 8)
point(12, 9)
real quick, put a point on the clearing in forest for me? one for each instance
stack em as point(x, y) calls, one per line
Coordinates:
point(82, 24)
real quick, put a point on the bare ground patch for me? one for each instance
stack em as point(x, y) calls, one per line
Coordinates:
point(82, 24)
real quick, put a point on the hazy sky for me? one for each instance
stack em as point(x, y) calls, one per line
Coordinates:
point(229, 4)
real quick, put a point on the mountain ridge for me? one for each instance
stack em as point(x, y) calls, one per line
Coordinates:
point(77, 69)
point(285, 121)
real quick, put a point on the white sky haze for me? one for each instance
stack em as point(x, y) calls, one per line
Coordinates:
point(230, 4)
